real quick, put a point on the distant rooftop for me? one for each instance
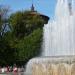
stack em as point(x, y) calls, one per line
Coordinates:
point(34, 12)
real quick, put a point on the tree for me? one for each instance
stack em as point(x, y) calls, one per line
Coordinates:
point(27, 32)
point(30, 46)
point(6, 51)
point(24, 40)
point(23, 23)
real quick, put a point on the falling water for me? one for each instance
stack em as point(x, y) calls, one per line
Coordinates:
point(58, 43)
point(59, 35)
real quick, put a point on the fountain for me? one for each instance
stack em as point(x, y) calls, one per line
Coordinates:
point(58, 55)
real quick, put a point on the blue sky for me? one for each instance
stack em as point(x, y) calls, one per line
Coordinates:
point(46, 7)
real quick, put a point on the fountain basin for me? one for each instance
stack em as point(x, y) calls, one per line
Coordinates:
point(55, 65)
point(58, 43)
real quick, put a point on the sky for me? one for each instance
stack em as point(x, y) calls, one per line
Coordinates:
point(46, 7)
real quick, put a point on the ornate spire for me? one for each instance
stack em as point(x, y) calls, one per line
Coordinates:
point(32, 7)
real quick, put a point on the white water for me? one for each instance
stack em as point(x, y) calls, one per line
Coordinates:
point(59, 37)
point(59, 34)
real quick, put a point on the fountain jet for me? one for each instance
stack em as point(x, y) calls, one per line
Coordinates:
point(58, 55)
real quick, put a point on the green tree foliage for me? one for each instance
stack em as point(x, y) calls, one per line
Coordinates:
point(24, 40)
point(27, 32)
point(23, 23)
point(30, 45)
point(6, 52)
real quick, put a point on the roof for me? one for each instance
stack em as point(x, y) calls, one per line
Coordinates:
point(43, 16)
